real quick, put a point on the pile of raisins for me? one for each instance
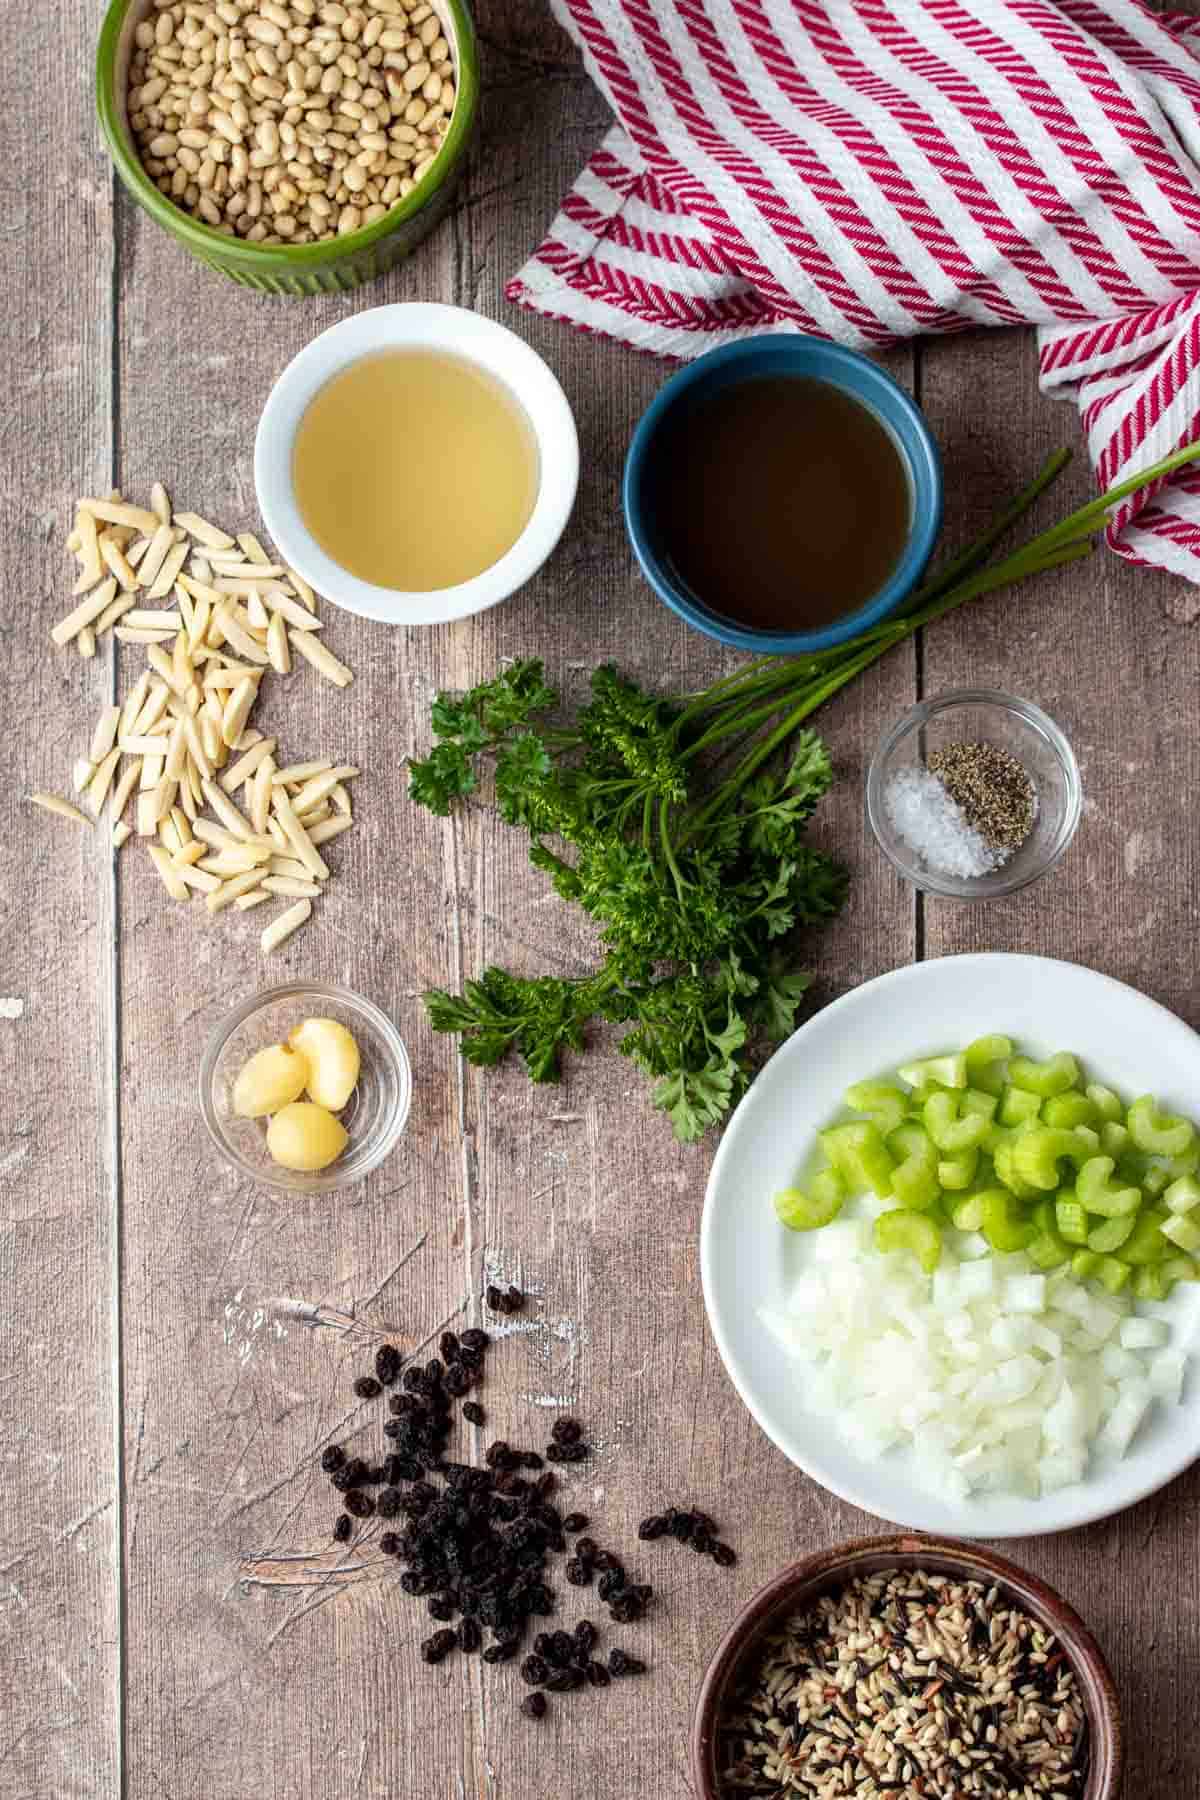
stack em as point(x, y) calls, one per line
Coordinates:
point(474, 1541)
point(475, 1547)
point(694, 1528)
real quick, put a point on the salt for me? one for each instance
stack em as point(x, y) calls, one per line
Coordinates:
point(935, 828)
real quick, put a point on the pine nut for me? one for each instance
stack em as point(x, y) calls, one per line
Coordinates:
point(320, 109)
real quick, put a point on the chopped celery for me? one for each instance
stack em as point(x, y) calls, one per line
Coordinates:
point(1004, 1157)
point(1183, 1232)
point(1054, 1076)
point(1160, 1134)
point(1150, 1283)
point(1147, 1244)
point(942, 1071)
point(1180, 1268)
point(1156, 1180)
point(1182, 1195)
point(1114, 1139)
point(958, 1172)
point(1003, 1221)
point(883, 1104)
point(903, 1230)
point(1186, 1164)
point(1067, 1110)
point(1017, 1105)
point(915, 1183)
point(975, 1100)
point(1098, 1192)
point(986, 1058)
point(859, 1155)
point(1112, 1274)
point(801, 1211)
point(1070, 1218)
point(967, 1214)
point(1084, 1264)
point(1106, 1103)
point(951, 1133)
point(1047, 1251)
point(1037, 1153)
point(1110, 1234)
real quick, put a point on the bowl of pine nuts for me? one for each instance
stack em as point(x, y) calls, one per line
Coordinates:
point(297, 146)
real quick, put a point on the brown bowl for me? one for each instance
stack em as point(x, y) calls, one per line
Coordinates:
point(804, 1581)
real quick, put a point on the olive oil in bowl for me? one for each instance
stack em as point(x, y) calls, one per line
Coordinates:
point(780, 502)
point(415, 469)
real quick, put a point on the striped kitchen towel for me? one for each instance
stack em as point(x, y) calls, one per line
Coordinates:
point(870, 170)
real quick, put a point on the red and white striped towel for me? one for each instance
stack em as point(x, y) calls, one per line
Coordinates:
point(871, 170)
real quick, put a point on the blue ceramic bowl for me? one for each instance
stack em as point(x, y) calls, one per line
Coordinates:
point(786, 354)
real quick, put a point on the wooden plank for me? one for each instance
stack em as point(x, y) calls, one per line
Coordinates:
point(58, 1575)
point(1101, 648)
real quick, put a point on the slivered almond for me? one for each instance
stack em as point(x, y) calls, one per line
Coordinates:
point(85, 643)
point(255, 897)
point(105, 734)
point(53, 804)
point(165, 580)
point(116, 512)
point(84, 613)
point(188, 853)
point(323, 660)
point(257, 613)
point(236, 635)
point(291, 610)
point(280, 929)
point(116, 561)
point(296, 774)
point(278, 648)
point(196, 878)
point(139, 636)
point(329, 828)
point(82, 772)
point(203, 532)
point(229, 890)
point(288, 884)
point(120, 832)
point(250, 548)
point(246, 764)
point(128, 780)
point(297, 835)
point(153, 618)
point(160, 503)
point(170, 879)
point(251, 572)
point(260, 794)
point(302, 588)
point(155, 556)
point(116, 609)
point(91, 567)
point(102, 780)
point(237, 710)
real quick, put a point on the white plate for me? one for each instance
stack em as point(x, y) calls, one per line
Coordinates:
point(748, 1260)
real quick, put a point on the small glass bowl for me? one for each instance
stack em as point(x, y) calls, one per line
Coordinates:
point(374, 1116)
point(981, 715)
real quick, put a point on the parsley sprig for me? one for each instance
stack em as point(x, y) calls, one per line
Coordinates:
point(680, 825)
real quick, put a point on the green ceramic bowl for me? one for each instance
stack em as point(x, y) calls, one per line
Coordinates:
point(342, 262)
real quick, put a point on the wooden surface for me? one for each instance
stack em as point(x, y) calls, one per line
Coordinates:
point(163, 1401)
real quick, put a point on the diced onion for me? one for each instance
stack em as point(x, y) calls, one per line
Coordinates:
point(997, 1376)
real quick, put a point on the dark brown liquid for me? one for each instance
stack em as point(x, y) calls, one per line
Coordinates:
point(781, 502)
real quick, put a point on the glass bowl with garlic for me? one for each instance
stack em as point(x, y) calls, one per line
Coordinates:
point(305, 1087)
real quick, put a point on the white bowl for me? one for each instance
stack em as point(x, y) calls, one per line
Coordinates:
point(749, 1261)
point(425, 326)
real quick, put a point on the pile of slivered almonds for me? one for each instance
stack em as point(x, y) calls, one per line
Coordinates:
point(228, 614)
point(289, 123)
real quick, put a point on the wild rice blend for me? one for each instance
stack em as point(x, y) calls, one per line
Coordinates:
point(907, 1686)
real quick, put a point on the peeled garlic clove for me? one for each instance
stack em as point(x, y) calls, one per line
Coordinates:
point(305, 1137)
point(270, 1079)
point(333, 1061)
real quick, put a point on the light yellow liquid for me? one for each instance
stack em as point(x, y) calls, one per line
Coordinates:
point(415, 470)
